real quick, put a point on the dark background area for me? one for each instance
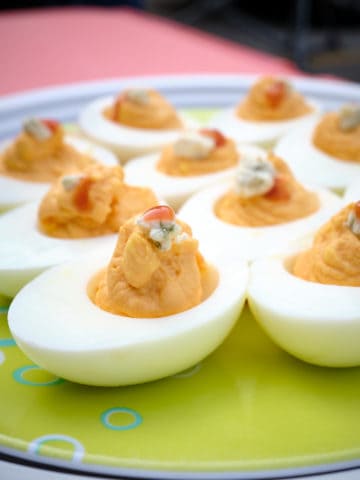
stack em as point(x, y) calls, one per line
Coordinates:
point(320, 36)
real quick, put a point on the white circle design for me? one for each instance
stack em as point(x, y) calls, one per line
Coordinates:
point(2, 357)
point(79, 450)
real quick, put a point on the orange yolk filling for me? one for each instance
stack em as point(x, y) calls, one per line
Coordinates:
point(272, 99)
point(41, 160)
point(334, 257)
point(156, 113)
point(142, 280)
point(97, 203)
point(286, 201)
point(331, 139)
point(223, 155)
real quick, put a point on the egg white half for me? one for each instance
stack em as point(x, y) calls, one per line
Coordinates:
point(317, 323)
point(126, 142)
point(54, 322)
point(352, 192)
point(26, 252)
point(176, 189)
point(264, 134)
point(310, 164)
point(250, 243)
point(15, 192)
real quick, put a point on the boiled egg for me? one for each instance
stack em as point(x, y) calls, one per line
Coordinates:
point(126, 141)
point(81, 210)
point(56, 324)
point(26, 251)
point(317, 323)
point(217, 235)
point(14, 192)
point(262, 133)
point(271, 108)
point(310, 164)
point(175, 189)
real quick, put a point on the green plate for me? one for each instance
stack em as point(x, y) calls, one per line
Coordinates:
point(248, 410)
point(249, 407)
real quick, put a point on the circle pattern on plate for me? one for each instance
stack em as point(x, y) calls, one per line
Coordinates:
point(45, 380)
point(5, 342)
point(244, 392)
point(79, 451)
point(107, 418)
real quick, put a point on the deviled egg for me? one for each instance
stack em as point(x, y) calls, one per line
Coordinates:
point(136, 122)
point(198, 159)
point(272, 108)
point(261, 211)
point(37, 156)
point(158, 307)
point(82, 210)
point(309, 301)
point(325, 151)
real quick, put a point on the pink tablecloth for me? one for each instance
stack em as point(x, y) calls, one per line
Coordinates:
point(54, 46)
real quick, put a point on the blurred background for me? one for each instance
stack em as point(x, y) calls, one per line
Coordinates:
point(320, 36)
